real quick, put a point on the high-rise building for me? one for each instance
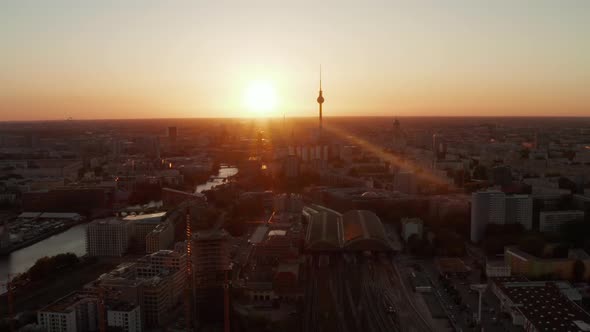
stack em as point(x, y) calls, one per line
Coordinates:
point(398, 143)
point(487, 207)
point(108, 237)
point(210, 256)
point(519, 210)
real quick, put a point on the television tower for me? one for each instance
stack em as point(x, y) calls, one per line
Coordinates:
point(320, 101)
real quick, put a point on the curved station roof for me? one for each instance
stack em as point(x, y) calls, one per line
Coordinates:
point(356, 230)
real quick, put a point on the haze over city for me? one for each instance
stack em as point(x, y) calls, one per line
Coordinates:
point(314, 166)
point(150, 59)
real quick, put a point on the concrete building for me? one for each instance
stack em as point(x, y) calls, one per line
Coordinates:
point(157, 300)
point(487, 207)
point(522, 263)
point(108, 237)
point(160, 238)
point(210, 257)
point(76, 312)
point(125, 316)
point(143, 284)
point(411, 226)
point(143, 224)
point(168, 262)
point(519, 210)
point(552, 221)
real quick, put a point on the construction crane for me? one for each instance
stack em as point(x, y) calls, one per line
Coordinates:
point(188, 294)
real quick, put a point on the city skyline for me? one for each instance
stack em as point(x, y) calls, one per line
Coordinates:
point(109, 60)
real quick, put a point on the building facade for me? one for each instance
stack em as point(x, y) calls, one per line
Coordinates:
point(108, 237)
point(552, 221)
point(487, 207)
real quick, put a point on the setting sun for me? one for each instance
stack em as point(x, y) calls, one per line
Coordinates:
point(260, 98)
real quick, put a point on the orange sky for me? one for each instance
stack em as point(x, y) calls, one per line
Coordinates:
point(143, 59)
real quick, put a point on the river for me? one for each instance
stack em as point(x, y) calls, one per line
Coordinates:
point(224, 172)
point(73, 239)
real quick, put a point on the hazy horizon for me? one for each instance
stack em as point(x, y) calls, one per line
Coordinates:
point(134, 60)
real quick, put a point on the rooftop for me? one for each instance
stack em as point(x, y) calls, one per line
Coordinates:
point(212, 234)
point(545, 307)
point(121, 306)
point(146, 218)
point(66, 303)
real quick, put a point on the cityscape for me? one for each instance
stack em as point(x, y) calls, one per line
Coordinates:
point(260, 218)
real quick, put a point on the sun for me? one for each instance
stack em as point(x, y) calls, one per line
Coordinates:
point(260, 98)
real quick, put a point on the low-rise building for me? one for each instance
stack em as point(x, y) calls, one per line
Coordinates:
point(76, 312)
point(540, 306)
point(125, 316)
point(497, 269)
point(553, 221)
point(525, 264)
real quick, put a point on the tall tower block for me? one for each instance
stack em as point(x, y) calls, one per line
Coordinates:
point(320, 102)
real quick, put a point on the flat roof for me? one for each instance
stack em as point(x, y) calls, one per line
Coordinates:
point(259, 234)
point(29, 215)
point(65, 304)
point(545, 307)
point(148, 217)
point(57, 215)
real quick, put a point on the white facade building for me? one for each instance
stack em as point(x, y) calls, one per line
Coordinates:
point(125, 316)
point(108, 237)
point(76, 312)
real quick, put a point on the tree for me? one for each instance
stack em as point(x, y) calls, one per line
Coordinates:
point(480, 172)
point(579, 269)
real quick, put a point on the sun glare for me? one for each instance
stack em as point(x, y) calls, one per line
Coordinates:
point(260, 98)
